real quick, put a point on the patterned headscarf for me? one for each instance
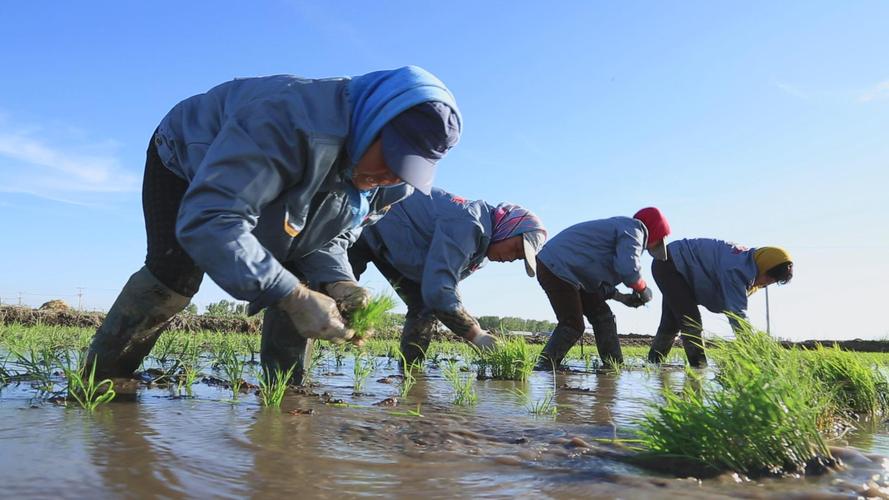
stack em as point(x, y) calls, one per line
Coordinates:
point(512, 220)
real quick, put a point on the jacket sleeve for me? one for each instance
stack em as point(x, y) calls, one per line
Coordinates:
point(628, 257)
point(734, 296)
point(236, 179)
point(452, 246)
point(330, 263)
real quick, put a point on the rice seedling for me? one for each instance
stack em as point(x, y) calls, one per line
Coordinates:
point(362, 367)
point(232, 368)
point(510, 359)
point(189, 362)
point(273, 386)
point(38, 363)
point(84, 388)
point(163, 348)
point(408, 378)
point(463, 385)
point(760, 416)
point(408, 413)
point(366, 320)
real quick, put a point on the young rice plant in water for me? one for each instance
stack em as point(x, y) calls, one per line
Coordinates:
point(273, 386)
point(510, 359)
point(463, 384)
point(83, 387)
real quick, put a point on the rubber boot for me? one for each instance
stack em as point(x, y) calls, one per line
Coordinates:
point(661, 345)
point(693, 343)
point(133, 324)
point(416, 337)
point(282, 347)
point(607, 341)
point(560, 342)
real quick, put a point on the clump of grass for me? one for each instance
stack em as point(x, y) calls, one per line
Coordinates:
point(273, 386)
point(759, 417)
point(365, 320)
point(83, 387)
point(363, 366)
point(510, 359)
point(463, 384)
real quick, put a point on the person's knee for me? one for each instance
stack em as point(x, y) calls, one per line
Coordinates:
point(177, 274)
point(575, 323)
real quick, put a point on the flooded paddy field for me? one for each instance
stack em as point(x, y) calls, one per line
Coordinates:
point(554, 435)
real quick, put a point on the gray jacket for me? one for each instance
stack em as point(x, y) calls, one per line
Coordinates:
point(595, 256)
point(719, 272)
point(434, 240)
point(268, 171)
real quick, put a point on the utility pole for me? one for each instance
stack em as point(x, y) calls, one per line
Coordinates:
point(20, 298)
point(768, 322)
point(80, 298)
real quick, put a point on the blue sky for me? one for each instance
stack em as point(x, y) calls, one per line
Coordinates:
point(763, 123)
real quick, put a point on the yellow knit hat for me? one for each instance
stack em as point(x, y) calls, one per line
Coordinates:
point(769, 257)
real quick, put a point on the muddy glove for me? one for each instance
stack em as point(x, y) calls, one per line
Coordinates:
point(464, 325)
point(625, 299)
point(642, 297)
point(314, 315)
point(348, 296)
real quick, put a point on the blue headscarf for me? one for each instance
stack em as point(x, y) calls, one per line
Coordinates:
point(380, 96)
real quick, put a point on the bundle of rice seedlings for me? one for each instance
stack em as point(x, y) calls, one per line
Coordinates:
point(510, 359)
point(364, 321)
point(855, 387)
point(759, 416)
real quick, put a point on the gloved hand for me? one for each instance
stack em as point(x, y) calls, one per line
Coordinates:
point(625, 299)
point(315, 315)
point(642, 297)
point(348, 295)
point(635, 299)
point(480, 338)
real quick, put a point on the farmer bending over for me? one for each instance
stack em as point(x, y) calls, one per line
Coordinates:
point(262, 181)
point(426, 245)
point(717, 275)
point(579, 268)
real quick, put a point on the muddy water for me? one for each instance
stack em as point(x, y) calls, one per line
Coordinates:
point(207, 446)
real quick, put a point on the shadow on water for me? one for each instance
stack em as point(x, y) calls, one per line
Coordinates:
point(207, 446)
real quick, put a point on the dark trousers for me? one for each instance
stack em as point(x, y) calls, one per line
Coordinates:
point(408, 290)
point(569, 303)
point(162, 193)
point(679, 313)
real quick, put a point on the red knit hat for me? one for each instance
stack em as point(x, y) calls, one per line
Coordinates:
point(657, 225)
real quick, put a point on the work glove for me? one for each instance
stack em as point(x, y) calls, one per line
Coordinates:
point(635, 299)
point(348, 296)
point(462, 323)
point(315, 315)
point(481, 339)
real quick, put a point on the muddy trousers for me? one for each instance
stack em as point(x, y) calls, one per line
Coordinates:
point(679, 312)
point(570, 306)
point(420, 321)
point(158, 291)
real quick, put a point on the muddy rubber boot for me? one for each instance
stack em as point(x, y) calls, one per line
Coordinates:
point(560, 342)
point(660, 346)
point(416, 337)
point(693, 343)
point(282, 346)
point(607, 341)
point(133, 324)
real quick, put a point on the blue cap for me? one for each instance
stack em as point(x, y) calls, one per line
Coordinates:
point(416, 139)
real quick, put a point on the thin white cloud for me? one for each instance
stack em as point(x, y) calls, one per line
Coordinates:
point(791, 90)
point(877, 92)
point(49, 165)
